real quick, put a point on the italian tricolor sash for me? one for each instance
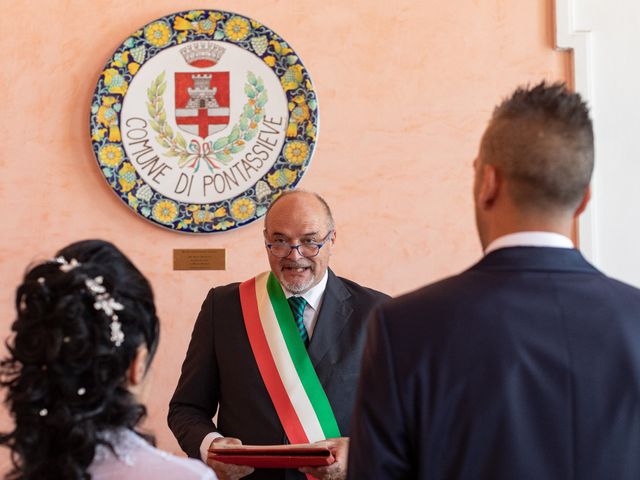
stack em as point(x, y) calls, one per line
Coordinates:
point(283, 361)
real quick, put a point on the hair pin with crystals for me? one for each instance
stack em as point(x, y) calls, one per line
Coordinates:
point(105, 302)
point(102, 299)
point(67, 266)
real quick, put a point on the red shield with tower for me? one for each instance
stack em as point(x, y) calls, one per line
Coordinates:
point(202, 103)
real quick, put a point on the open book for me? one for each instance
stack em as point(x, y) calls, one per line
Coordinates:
point(273, 456)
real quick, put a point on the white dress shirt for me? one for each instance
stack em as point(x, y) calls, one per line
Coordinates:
point(530, 239)
point(314, 297)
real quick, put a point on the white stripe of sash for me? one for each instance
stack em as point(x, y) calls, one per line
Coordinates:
point(284, 363)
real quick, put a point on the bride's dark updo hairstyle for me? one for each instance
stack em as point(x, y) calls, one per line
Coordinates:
point(80, 319)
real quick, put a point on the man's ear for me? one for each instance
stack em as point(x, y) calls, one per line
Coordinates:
point(583, 203)
point(490, 184)
point(138, 366)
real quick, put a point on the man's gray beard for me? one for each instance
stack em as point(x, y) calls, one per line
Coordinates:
point(299, 287)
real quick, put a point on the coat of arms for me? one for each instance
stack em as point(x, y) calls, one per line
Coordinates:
point(202, 99)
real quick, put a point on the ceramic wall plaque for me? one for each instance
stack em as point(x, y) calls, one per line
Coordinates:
point(201, 118)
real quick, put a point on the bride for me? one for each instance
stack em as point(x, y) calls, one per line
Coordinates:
point(85, 333)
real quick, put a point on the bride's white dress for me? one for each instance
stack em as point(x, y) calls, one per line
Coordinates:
point(136, 459)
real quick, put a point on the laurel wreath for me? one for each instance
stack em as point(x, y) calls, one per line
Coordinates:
point(223, 148)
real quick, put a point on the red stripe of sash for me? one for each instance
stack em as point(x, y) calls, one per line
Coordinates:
point(267, 366)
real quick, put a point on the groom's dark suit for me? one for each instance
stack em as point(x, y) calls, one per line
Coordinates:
point(526, 366)
point(220, 369)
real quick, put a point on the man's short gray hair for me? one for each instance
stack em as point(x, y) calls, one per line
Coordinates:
point(286, 193)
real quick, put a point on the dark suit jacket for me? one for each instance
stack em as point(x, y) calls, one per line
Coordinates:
point(220, 369)
point(525, 367)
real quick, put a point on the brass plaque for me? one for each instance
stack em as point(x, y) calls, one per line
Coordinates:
point(199, 259)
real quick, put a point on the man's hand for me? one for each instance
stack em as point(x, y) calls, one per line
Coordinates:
point(226, 471)
point(339, 448)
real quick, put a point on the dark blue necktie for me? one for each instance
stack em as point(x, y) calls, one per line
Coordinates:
point(298, 305)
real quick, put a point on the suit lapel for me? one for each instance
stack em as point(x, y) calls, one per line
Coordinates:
point(335, 310)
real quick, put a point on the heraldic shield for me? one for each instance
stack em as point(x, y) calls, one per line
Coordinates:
point(202, 102)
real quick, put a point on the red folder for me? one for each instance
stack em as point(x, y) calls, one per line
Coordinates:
point(273, 456)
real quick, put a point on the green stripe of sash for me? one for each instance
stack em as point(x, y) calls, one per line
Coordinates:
point(301, 360)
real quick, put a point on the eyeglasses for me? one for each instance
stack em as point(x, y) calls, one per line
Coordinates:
point(307, 250)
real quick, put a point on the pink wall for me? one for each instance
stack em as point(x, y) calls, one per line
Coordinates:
point(404, 95)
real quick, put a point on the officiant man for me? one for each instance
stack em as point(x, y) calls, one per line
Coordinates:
point(254, 342)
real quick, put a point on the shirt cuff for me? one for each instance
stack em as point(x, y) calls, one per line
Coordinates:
point(206, 442)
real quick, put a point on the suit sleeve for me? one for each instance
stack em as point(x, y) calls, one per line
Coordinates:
point(378, 447)
point(195, 400)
